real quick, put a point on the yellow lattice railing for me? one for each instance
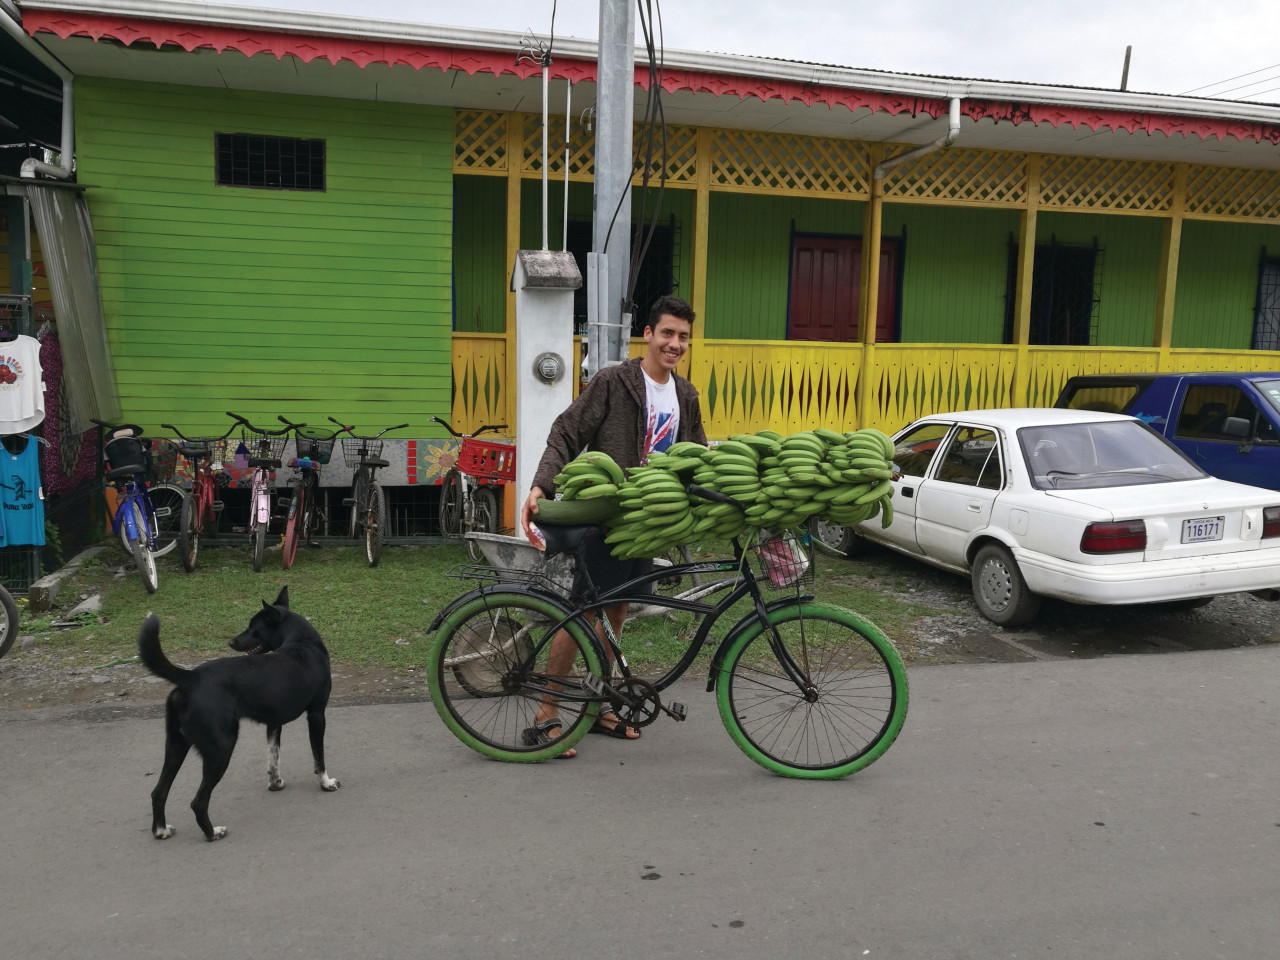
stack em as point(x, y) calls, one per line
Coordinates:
point(756, 162)
point(786, 386)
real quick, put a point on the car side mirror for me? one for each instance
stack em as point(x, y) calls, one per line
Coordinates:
point(1236, 428)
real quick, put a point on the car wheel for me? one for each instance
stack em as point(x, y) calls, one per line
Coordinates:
point(837, 540)
point(999, 590)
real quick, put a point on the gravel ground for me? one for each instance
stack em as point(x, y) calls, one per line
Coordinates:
point(37, 676)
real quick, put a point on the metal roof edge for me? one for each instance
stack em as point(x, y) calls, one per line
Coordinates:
point(913, 85)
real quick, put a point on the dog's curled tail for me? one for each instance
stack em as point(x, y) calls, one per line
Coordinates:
point(153, 657)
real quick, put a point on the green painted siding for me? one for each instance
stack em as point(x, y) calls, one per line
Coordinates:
point(1130, 271)
point(749, 258)
point(954, 271)
point(310, 304)
point(1218, 282)
point(479, 250)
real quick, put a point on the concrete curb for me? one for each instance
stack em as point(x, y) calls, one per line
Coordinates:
point(41, 594)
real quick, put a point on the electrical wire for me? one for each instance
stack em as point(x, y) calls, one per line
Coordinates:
point(1218, 83)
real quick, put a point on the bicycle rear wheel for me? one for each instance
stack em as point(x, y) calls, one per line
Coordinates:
point(189, 533)
point(259, 534)
point(166, 500)
point(491, 676)
point(376, 509)
point(451, 505)
point(484, 519)
point(854, 705)
point(143, 557)
point(298, 517)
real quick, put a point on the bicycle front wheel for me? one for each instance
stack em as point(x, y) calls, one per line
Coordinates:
point(451, 505)
point(259, 534)
point(846, 714)
point(376, 508)
point(293, 527)
point(496, 672)
point(9, 628)
point(359, 486)
point(484, 519)
point(142, 556)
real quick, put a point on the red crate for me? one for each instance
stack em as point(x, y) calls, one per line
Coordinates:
point(487, 461)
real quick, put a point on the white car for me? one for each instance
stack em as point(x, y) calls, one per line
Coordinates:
point(1082, 506)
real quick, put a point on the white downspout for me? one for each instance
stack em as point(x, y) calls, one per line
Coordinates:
point(953, 130)
point(31, 166)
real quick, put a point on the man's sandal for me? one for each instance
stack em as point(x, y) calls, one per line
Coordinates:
point(539, 735)
point(618, 731)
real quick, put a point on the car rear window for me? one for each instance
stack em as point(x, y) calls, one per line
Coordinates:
point(1117, 453)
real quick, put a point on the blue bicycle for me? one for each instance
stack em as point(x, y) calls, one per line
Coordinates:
point(135, 520)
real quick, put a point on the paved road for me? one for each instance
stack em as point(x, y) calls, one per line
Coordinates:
point(1127, 807)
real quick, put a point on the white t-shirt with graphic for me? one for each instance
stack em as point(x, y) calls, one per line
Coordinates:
point(663, 414)
point(21, 385)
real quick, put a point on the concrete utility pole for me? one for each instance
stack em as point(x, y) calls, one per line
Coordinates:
point(615, 106)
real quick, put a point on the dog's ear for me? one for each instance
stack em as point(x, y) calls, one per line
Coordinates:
point(283, 599)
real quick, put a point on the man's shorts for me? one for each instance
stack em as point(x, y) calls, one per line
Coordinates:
point(607, 571)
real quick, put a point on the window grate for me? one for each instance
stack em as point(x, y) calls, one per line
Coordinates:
point(1065, 293)
point(1266, 314)
point(268, 163)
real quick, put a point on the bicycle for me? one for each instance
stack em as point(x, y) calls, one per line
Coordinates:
point(135, 517)
point(314, 448)
point(367, 501)
point(805, 689)
point(264, 447)
point(9, 626)
point(200, 508)
point(466, 506)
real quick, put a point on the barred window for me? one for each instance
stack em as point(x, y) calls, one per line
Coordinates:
point(1266, 311)
point(269, 163)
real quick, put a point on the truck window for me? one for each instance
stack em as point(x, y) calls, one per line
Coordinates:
point(1110, 399)
point(1221, 412)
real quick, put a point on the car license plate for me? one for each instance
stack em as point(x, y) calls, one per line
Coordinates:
point(1202, 529)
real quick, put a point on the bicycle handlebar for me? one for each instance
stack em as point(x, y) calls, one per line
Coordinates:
point(295, 427)
point(714, 495)
point(249, 426)
point(186, 439)
point(466, 436)
point(376, 436)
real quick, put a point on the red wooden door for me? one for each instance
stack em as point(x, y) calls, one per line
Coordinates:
point(825, 275)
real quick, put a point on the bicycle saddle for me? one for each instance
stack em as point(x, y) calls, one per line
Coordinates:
point(191, 453)
point(129, 468)
point(566, 538)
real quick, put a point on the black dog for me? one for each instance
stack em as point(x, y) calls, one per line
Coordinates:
point(206, 704)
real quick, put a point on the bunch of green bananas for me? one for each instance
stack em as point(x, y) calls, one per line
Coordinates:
point(779, 481)
point(656, 514)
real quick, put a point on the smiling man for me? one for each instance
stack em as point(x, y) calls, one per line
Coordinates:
point(627, 411)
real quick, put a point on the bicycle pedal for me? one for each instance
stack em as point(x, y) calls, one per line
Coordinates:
point(217, 506)
point(348, 501)
point(283, 501)
point(593, 685)
point(676, 711)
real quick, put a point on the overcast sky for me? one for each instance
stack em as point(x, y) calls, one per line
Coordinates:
point(1179, 46)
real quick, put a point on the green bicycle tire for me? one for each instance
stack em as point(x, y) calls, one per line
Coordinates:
point(471, 663)
point(861, 688)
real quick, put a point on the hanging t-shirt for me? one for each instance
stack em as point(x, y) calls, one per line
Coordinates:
point(21, 385)
point(663, 415)
point(21, 498)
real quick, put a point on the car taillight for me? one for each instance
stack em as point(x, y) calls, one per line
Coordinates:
point(1271, 522)
point(1115, 537)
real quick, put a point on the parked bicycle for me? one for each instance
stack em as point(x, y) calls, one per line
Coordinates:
point(367, 501)
point(314, 449)
point(466, 505)
point(201, 506)
point(805, 689)
point(135, 519)
point(264, 448)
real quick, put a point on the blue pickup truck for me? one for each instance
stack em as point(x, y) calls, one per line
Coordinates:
point(1228, 423)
